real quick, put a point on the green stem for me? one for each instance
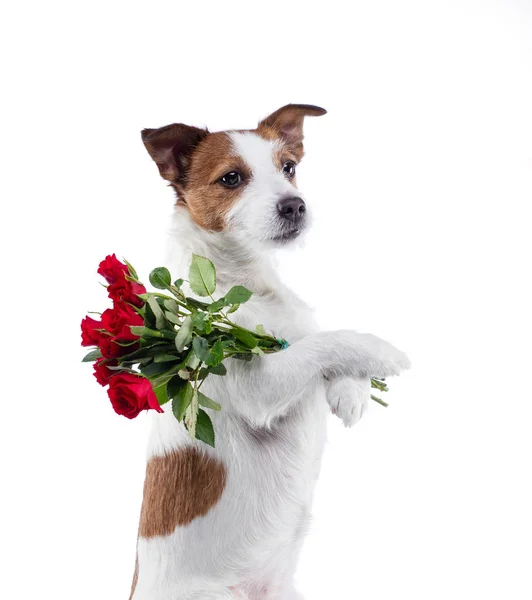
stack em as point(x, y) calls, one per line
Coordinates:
point(379, 385)
point(228, 321)
point(379, 401)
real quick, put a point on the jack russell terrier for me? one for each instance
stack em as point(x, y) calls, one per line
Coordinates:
point(228, 522)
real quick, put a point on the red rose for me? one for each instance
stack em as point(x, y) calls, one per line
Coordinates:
point(110, 349)
point(123, 290)
point(89, 335)
point(130, 394)
point(112, 269)
point(102, 371)
point(120, 289)
point(117, 321)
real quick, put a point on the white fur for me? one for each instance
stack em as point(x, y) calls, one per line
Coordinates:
point(271, 430)
point(255, 216)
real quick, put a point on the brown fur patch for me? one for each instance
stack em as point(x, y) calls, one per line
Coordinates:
point(171, 146)
point(293, 147)
point(135, 577)
point(179, 487)
point(286, 124)
point(208, 200)
point(285, 154)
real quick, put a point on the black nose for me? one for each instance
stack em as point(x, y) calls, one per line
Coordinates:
point(291, 209)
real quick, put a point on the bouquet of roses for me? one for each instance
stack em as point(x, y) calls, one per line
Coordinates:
point(152, 347)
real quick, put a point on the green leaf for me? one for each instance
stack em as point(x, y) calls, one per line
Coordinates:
point(172, 318)
point(257, 351)
point(201, 348)
point(238, 295)
point(218, 369)
point(142, 331)
point(138, 361)
point(191, 414)
point(162, 358)
point(157, 294)
point(207, 402)
point(151, 348)
point(216, 355)
point(184, 335)
point(193, 362)
point(194, 303)
point(92, 356)
point(174, 386)
point(149, 316)
point(164, 378)
point(178, 283)
point(160, 278)
point(218, 305)
point(215, 370)
point(171, 305)
point(246, 338)
point(182, 401)
point(155, 369)
point(159, 316)
point(168, 334)
point(132, 271)
point(260, 330)
point(198, 321)
point(233, 308)
point(161, 394)
point(204, 429)
point(202, 276)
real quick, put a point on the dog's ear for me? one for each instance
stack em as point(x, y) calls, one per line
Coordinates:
point(171, 148)
point(287, 123)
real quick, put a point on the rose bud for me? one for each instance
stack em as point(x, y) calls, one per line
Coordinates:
point(112, 269)
point(89, 335)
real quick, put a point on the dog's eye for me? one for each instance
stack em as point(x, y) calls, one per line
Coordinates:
point(231, 179)
point(289, 169)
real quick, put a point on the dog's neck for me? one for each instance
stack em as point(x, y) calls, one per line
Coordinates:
point(235, 265)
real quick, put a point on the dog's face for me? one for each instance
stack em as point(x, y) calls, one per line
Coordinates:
point(243, 182)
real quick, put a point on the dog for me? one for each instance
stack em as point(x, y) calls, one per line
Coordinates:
point(228, 522)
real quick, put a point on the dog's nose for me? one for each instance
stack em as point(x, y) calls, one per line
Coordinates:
point(291, 209)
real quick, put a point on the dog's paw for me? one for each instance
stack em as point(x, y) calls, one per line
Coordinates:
point(389, 360)
point(349, 398)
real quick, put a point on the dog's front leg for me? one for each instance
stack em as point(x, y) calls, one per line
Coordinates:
point(268, 387)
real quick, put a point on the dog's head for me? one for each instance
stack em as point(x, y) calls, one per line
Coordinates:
point(242, 182)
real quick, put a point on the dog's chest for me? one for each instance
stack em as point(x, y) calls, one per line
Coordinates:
point(281, 313)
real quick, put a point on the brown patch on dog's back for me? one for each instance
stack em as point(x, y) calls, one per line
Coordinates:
point(208, 200)
point(179, 487)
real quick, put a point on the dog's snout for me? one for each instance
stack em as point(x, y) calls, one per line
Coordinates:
point(291, 209)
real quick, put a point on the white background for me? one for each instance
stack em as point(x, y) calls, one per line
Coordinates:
point(420, 181)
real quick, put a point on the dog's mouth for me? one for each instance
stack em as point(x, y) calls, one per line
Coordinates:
point(288, 235)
